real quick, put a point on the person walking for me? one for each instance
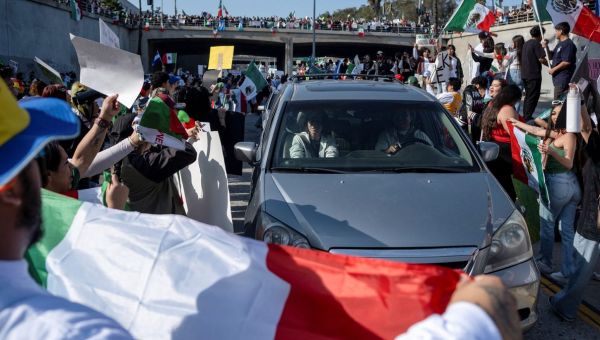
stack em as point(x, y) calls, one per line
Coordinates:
point(563, 59)
point(532, 58)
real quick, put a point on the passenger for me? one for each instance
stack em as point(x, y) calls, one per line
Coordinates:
point(402, 130)
point(311, 143)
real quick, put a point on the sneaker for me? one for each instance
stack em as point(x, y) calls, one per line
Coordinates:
point(560, 278)
point(557, 312)
point(543, 267)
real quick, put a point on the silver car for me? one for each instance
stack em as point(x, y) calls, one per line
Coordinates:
point(381, 170)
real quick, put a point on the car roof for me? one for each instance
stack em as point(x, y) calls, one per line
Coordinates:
point(357, 90)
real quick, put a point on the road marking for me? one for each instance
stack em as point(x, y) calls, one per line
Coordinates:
point(586, 312)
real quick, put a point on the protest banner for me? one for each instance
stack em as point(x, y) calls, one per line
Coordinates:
point(170, 277)
point(49, 73)
point(441, 72)
point(221, 58)
point(203, 184)
point(107, 36)
point(109, 70)
point(424, 40)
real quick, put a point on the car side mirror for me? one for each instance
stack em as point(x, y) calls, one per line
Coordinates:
point(489, 151)
point(245, 152)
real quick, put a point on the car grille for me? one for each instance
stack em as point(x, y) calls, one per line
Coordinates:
point(451, 257)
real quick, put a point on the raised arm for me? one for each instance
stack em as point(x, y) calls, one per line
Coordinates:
point(92, 142)
point(532, 130)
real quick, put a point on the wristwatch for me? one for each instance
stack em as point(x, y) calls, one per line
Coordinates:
point(102, 123)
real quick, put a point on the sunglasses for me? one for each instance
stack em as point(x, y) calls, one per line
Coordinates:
point(557, 102)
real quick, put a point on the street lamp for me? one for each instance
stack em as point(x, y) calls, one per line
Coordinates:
point(314, 41)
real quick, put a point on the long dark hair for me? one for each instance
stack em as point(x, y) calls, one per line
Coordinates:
point(507, 96)
point(561, 121)
point(519, 41)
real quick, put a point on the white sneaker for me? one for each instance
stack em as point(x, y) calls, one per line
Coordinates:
point(559, 277)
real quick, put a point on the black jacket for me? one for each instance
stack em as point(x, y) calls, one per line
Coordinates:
point(588, 219)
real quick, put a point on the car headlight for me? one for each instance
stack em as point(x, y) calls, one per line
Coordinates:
point(510, 244)
point(277, 233)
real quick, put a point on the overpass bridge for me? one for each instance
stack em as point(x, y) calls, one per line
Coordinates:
point(192, 43)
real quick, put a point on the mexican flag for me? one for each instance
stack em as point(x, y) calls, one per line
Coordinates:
point(527, 161)
point(171, 58)
point(471, 16)
point(160, 125)
point(167, 276)
point(75, 10)
point(582, 20)
point(253, 83)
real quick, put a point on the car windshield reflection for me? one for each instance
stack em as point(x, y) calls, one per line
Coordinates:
point(358, 136)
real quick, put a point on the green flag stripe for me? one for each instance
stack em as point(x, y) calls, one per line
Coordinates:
point(460, 16)
point(540, 11)
point(257, 78)
point(55, 225)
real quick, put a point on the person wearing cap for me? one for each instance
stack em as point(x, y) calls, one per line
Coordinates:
point(27, 311)
point(563, 59)
point(164, 83)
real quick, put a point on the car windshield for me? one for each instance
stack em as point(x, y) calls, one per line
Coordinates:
point(359, 136)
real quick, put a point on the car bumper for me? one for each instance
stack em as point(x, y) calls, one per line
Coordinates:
point(523, 281)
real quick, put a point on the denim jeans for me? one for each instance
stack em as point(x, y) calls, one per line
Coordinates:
point(514, 77)
point(586, 255)
point(564, 194)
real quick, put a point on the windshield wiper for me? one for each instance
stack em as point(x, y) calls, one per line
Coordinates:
point(421, 169)
point(309, 170)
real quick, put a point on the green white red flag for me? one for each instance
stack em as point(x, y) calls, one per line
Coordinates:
point(160, 125)
point(167, 276)
point(253, 83)
point(582, 20)
point(528, 161)
point(75, 10)
point(471, 16)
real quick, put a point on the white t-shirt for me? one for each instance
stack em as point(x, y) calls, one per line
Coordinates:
point(29, 312)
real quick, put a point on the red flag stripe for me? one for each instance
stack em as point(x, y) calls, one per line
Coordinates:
point(333, 296)
point(588, 25)
point(518, 168)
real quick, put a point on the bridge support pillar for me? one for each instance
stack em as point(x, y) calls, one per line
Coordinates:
point(289, 56)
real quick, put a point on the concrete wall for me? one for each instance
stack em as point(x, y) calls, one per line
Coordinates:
point(41, 28)
point(505, 34)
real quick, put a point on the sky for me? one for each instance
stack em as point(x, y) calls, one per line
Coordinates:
point(254, 7)
point(265, 7)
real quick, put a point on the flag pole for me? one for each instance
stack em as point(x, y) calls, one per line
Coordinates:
point(537, 13)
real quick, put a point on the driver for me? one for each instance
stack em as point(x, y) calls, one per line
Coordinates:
point(401, 131)
point(311, 143)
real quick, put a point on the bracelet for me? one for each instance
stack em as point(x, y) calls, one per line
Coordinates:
point(102, 123)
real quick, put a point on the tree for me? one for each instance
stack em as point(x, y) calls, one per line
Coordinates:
point(376, 5)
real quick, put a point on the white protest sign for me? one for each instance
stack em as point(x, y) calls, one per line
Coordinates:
point(48, 71)
point(109, 70)
point(203, 184)
point(442, 68)
point(425, 40)
point(107, 36)
point(200, 70)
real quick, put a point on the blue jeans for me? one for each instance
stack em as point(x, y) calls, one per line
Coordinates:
point(586, 255)
point(514, 77)
point(564, 194)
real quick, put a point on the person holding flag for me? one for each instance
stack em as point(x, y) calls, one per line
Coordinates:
point(558, 151)
point(563, 59)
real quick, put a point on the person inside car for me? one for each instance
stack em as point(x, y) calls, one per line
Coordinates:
point(402, 131)
point(312, 143)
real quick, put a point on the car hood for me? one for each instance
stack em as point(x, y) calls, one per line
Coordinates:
point(388, 210)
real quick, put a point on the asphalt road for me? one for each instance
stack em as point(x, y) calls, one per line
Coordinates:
point(587, 325)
